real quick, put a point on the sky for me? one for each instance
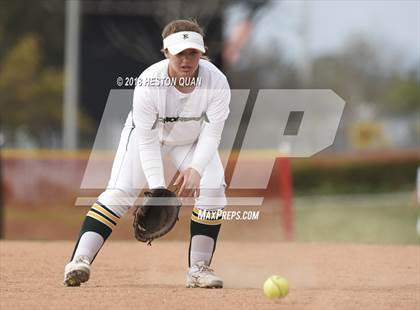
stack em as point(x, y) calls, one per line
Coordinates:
point(392, 25)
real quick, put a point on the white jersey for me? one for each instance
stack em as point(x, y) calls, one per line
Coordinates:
point(208, 101)
point(163, 115)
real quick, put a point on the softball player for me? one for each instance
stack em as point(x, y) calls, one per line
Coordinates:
point(182, 120)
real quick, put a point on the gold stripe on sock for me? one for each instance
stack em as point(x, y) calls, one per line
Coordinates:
point(100, 219)
point(105, 212)
point(207, 222)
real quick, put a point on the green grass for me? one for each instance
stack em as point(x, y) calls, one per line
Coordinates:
point(379, 218)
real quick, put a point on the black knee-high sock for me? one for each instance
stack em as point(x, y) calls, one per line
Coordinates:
point(204, 223)
point(99, 219)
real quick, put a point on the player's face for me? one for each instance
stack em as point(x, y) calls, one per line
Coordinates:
point(184, 64)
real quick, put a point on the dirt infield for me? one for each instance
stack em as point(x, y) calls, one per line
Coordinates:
point(129, 275)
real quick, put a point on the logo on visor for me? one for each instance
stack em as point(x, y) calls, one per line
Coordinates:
point(185, 36)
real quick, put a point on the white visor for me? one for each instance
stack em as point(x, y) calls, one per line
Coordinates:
point(179, 41)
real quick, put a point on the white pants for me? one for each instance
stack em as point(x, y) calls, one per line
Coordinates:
point(127, 178)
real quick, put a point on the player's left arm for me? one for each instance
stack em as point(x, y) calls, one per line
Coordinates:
point(207, 145)
point(208, 140)
point(211, 133)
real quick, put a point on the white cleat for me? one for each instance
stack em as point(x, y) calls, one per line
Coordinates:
point(201, 275)
point(77, 271)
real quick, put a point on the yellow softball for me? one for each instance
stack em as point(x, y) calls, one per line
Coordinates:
point(276, 287)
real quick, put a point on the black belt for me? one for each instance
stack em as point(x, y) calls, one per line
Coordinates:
point(179, 119)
